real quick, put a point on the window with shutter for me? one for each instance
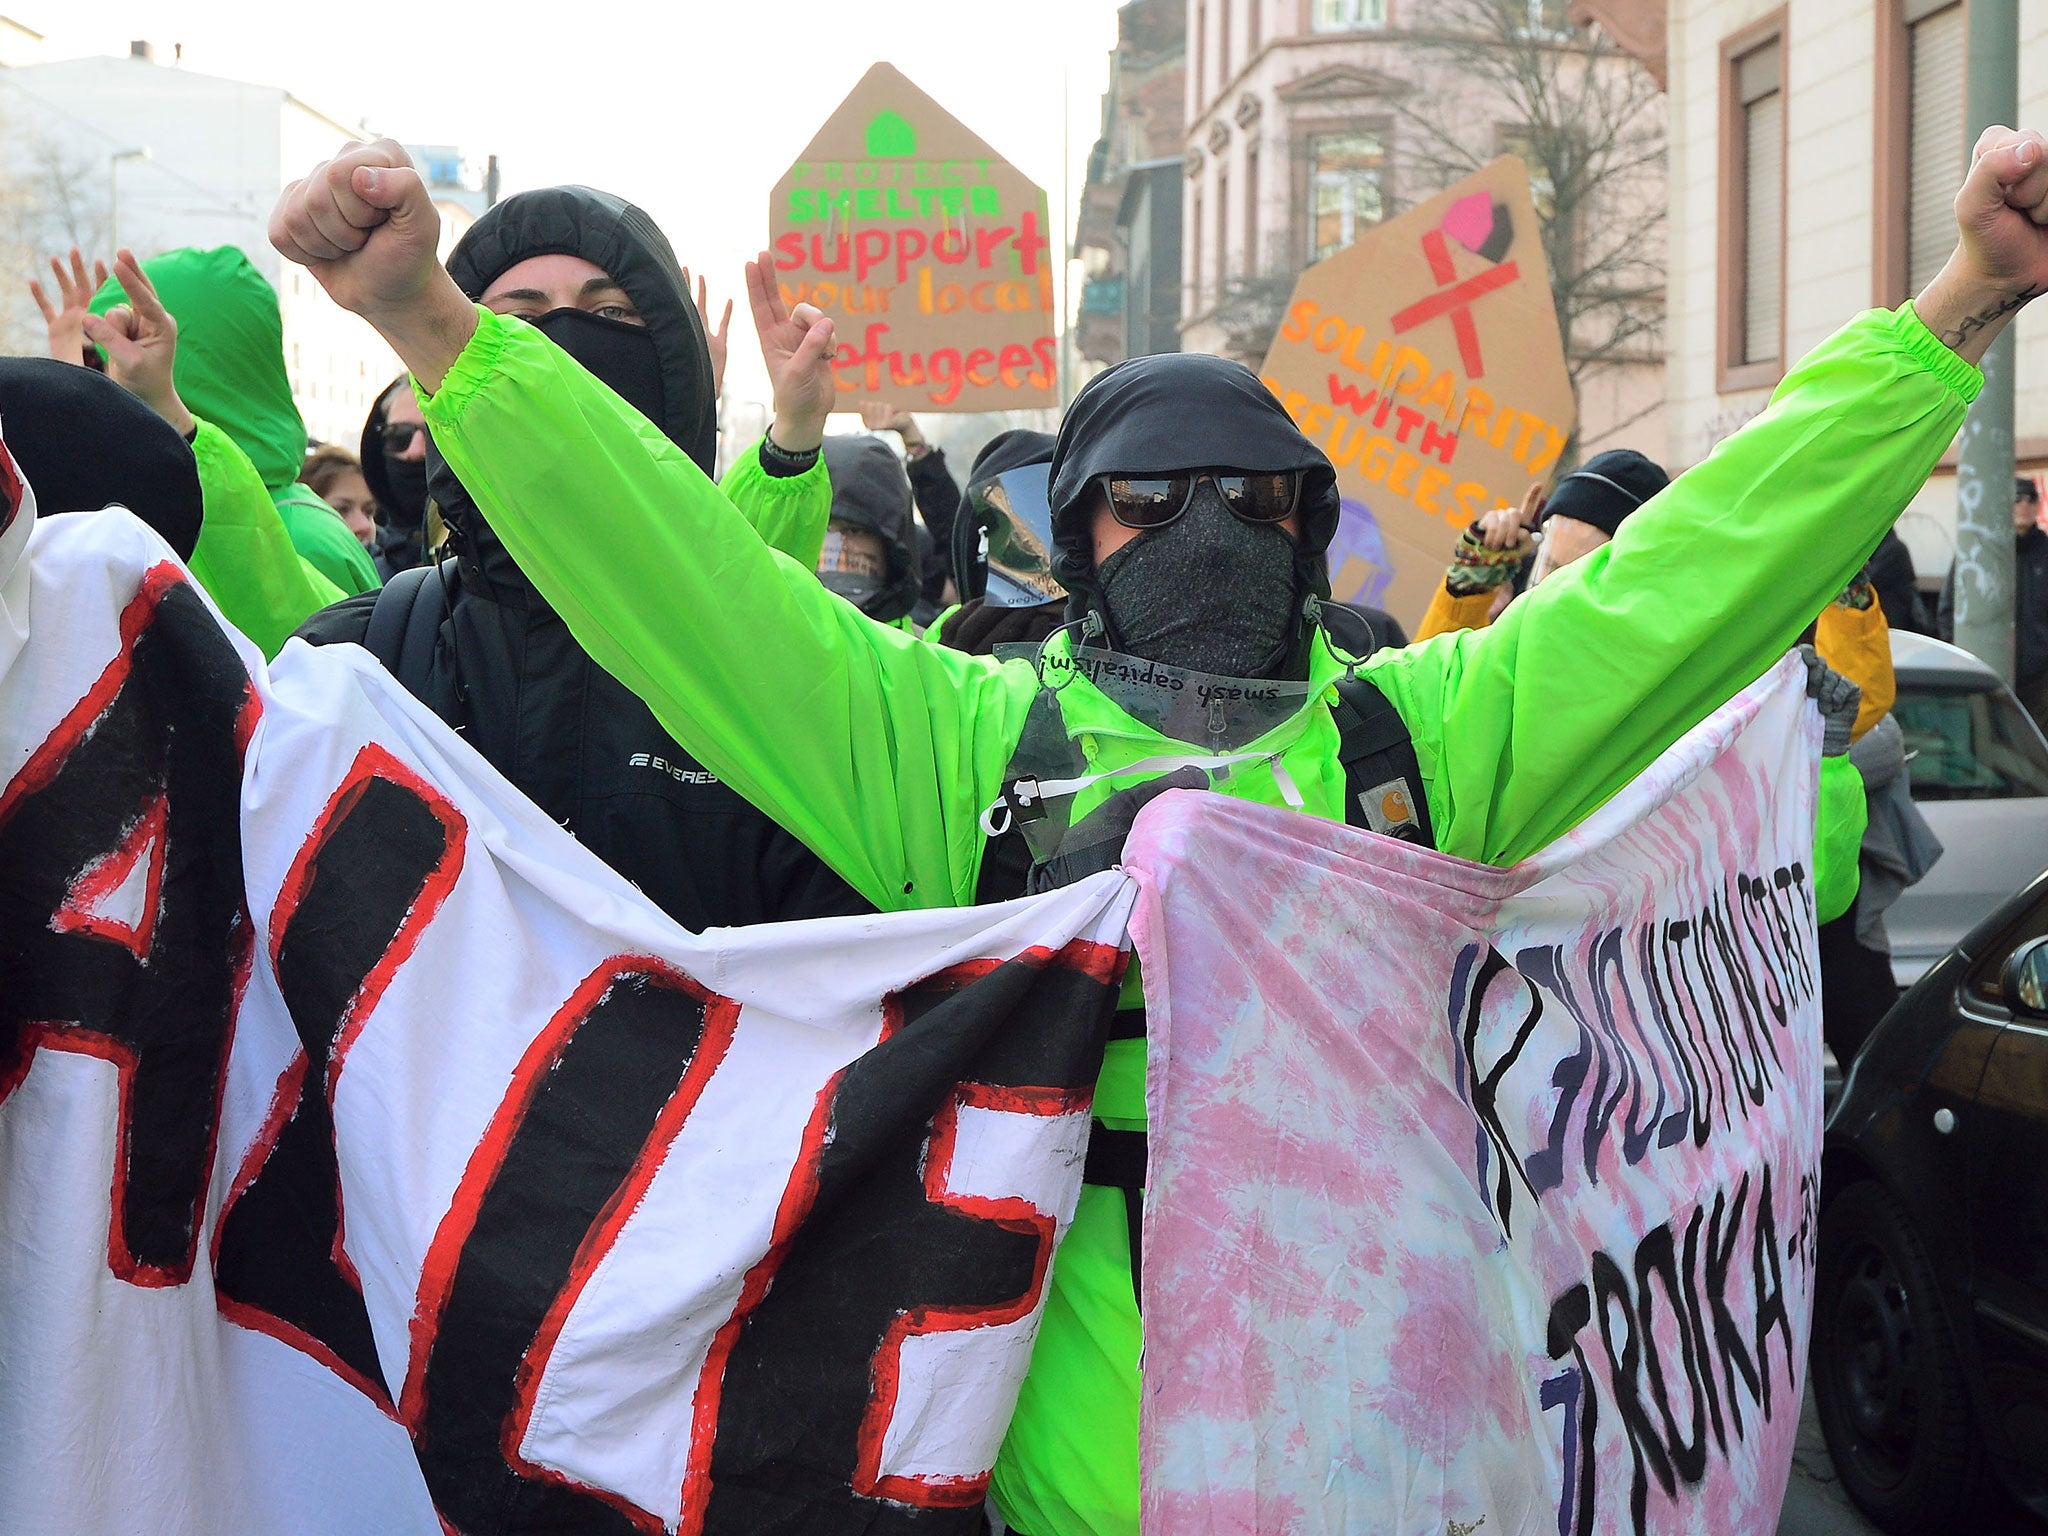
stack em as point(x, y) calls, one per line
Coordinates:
point(1760, 100)
point(1936, 155)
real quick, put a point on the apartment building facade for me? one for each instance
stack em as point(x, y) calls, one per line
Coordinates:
point(1816, 150)
point(1302, 134)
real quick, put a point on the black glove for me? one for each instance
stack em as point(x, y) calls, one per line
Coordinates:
point(978, 628)
point(1096, 841)
point(1838, 698)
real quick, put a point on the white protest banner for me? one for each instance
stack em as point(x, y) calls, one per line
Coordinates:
point(372, 1158)
point(1483, 1200)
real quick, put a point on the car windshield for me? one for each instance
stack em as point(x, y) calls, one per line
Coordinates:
point(1968, 739)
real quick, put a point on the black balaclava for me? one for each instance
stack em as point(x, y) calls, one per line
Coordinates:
point(400, 485)
point(1210, 591)
point(870, 490)
point(663, 369)
point(83, 442)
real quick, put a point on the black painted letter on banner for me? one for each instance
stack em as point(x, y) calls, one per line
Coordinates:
point(121, 931)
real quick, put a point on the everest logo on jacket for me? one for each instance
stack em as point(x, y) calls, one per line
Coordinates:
point(680, 774)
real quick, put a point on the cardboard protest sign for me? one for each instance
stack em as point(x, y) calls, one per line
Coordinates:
point(1426, 361)
point(929, 249)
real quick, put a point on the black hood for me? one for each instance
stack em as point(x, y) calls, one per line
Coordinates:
point(83, 442)
point(612, 234)
point(1177, 411)
point(871, 491)
point(370, 451)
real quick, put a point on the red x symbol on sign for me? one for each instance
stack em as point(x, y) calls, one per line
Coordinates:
point(1455, 301)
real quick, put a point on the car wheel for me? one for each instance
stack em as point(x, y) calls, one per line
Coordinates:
point(1887, 1381)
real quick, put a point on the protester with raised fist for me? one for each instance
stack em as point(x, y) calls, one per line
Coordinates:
point(1190, 519)
point(473, 638)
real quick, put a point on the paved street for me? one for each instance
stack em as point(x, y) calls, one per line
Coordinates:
point(1814, 1502)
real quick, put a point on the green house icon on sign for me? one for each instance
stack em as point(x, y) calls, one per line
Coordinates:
point(889, 137)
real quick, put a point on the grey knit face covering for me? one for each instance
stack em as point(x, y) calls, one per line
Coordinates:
point(1209, 592)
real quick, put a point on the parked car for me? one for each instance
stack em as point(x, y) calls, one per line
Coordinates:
point(1930, 1325)
point(1979, 773)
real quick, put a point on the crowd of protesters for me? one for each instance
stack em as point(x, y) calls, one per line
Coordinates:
point(831, 680)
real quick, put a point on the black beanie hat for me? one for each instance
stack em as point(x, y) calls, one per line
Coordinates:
point(83, 443)
point(1606, 488)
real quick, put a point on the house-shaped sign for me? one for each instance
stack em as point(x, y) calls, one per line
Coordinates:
point(930, 251)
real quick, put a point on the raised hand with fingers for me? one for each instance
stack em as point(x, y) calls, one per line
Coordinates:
point(1508, 527)
point(364, 225)
point(881, 416)
point(797, 345)
point(2001, 259)
point(715, 339)
point(65, 319)
point(141, 342)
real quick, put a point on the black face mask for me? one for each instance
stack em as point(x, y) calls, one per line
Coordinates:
point(622, 356)
point(1209, 592)
point(406, 479)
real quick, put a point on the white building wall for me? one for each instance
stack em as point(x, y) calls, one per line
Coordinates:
point(1831, 172)
point(220, 152)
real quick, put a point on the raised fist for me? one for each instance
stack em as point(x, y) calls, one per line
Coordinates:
point(364, 226)
point(2002, 207)
point(2001, 261)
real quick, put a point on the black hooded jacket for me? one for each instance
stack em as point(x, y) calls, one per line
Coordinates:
point(508, 674)
point(871, 491)
point(401, 530)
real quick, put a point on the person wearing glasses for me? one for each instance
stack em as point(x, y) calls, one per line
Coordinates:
point(1190, 519)
point(591, 278)
point(394, 458)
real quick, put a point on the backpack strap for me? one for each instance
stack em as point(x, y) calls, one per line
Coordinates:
point(1383, 788)
point(405, 624)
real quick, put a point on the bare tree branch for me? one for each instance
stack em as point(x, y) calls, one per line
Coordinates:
point(1588, 122)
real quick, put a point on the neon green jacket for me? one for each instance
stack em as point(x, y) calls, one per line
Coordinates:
point(1844, 813)
point(245, 559)
point(880, 751)
point(230, 371)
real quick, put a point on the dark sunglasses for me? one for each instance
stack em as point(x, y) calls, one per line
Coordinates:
point(1153, 501)
point(398, 436)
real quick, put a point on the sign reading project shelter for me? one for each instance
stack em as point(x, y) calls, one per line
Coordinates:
point(929, 250)
point(1425, 360)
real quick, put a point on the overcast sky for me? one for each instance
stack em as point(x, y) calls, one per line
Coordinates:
point(692, 109)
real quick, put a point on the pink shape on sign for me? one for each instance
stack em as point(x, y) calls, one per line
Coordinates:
point(1470, 220)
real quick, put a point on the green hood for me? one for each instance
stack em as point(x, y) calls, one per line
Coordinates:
point(230, 368)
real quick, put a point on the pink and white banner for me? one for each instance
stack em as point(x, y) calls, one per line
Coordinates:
point(1483, 1200)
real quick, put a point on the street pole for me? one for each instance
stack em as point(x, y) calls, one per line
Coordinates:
point(1984, 463)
